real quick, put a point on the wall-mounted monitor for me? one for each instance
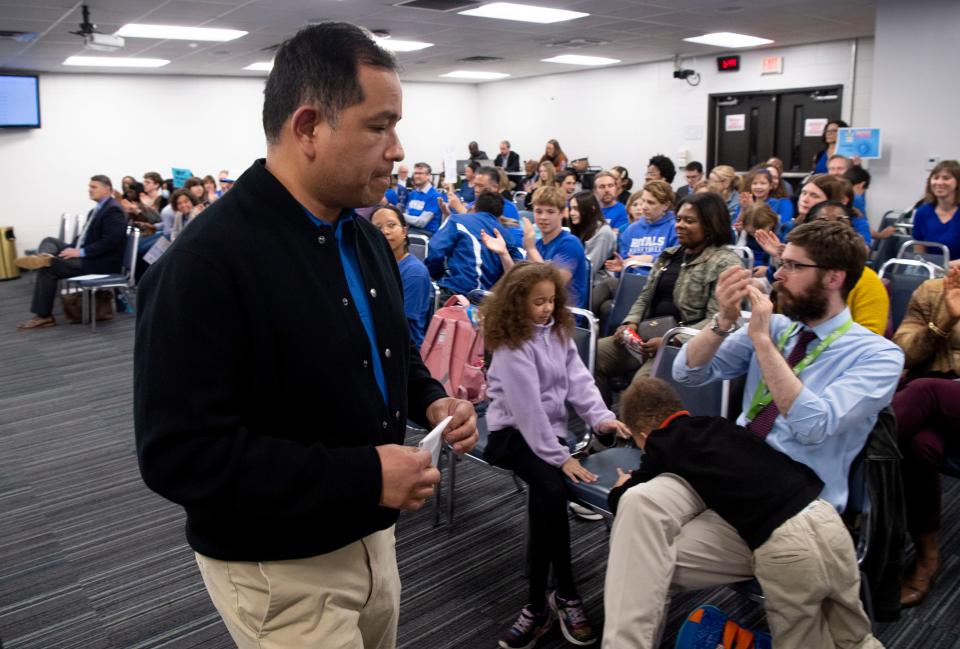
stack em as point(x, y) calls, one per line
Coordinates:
point(19, 101)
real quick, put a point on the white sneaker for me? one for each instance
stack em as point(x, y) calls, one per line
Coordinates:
point(584, 512)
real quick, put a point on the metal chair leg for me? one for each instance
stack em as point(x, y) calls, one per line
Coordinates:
point(450, 486)
point(438, 495)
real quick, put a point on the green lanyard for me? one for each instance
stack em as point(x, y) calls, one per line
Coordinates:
point(762, 397)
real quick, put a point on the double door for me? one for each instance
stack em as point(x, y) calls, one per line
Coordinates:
point(750, 128)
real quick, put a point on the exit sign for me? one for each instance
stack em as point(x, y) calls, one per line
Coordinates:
point(772, 65)
point(728, 63)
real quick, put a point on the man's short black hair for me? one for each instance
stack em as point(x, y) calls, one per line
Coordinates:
point(857, 174)
point(665, 165)
point(103, 180)
point(423, 165)
point(492, 175)
point(694, 166)
point(320, 64)
point(489, 202)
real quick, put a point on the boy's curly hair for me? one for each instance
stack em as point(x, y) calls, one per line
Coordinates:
point(506, 319)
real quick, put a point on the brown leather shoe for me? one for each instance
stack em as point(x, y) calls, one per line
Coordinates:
point(37, 323)
point(916, 586)
point(33, 262)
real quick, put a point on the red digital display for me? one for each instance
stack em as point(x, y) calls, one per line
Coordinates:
point(728, 63)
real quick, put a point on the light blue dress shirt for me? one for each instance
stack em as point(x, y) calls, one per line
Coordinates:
point(843, 390)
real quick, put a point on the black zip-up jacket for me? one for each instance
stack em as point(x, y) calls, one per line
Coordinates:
point(255, 402)
point(750, 484)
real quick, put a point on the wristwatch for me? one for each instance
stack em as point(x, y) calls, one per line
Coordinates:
point(723, 333)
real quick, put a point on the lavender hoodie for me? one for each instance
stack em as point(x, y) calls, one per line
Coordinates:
point(528, 387)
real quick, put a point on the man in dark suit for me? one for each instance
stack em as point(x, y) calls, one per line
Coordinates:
point(694, 174)
point(97, 249)
point(508, 160)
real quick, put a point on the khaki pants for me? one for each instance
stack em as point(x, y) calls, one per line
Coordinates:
point(613, 359)
point(348, 598)
point(811, 583)
point(665, 539)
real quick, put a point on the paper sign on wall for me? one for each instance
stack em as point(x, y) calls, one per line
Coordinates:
point(736, 122)
point(814, 127)
point(181, 176)
point(863, 142)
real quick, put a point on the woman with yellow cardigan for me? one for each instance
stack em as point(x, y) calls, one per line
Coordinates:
point(868, 301)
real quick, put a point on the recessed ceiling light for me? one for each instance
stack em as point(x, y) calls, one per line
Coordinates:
point(115, 62)
point(728, 39)
point(395, 45)
point(260, 66)
point(525, 13)
point(134, 30)
point(579, 59)
point(474, 74)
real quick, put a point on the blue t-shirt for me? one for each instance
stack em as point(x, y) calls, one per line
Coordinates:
point(928, 227)
point(644, 238)
point(567, 252)
point(459, 260)
point(616, 216)
point(417, 296)
point(820, 167)
point(783, 207)
point(391, 197)
point(419, 202)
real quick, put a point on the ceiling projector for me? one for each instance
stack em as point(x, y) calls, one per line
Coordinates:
point(102, 42)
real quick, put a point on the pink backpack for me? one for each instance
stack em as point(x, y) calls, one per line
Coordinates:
point(452, 350)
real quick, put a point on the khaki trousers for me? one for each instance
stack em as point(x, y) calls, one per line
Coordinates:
point(665, 540)
point(346, 599)
point(613, 359)
point(811, 583)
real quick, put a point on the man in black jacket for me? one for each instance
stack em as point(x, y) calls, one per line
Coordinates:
point(274, 373)
point(507, 159)
point(98, 248)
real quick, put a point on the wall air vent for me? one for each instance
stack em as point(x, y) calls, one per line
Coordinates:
point(438, 5)
point(480, 59)
point(576, 43)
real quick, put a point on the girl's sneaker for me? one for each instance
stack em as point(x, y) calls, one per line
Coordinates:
point(573, 620)
point(527, 629)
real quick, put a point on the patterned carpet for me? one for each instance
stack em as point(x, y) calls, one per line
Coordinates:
point(89, 558)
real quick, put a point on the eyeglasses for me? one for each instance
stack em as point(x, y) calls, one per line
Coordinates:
point(791, 266)
point(389, 225)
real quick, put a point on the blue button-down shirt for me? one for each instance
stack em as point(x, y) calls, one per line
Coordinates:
point(343, 234)
point(843, 390)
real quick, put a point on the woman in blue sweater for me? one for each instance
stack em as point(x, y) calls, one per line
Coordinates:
point(937, 219)
point(829, 145)
point(417, 287)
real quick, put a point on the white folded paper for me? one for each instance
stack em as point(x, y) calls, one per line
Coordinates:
point(433, 441)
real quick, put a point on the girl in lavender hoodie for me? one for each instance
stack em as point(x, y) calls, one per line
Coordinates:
point(536, 370)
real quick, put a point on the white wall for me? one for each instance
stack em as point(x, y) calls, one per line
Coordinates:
point(625, 115)
point(128, 124)
point(914, 99)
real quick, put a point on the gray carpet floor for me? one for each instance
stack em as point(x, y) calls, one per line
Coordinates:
point(90, 558)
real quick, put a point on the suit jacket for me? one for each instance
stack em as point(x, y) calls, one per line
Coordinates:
point(106, 239)
point(512, 162)
point(681, 194)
